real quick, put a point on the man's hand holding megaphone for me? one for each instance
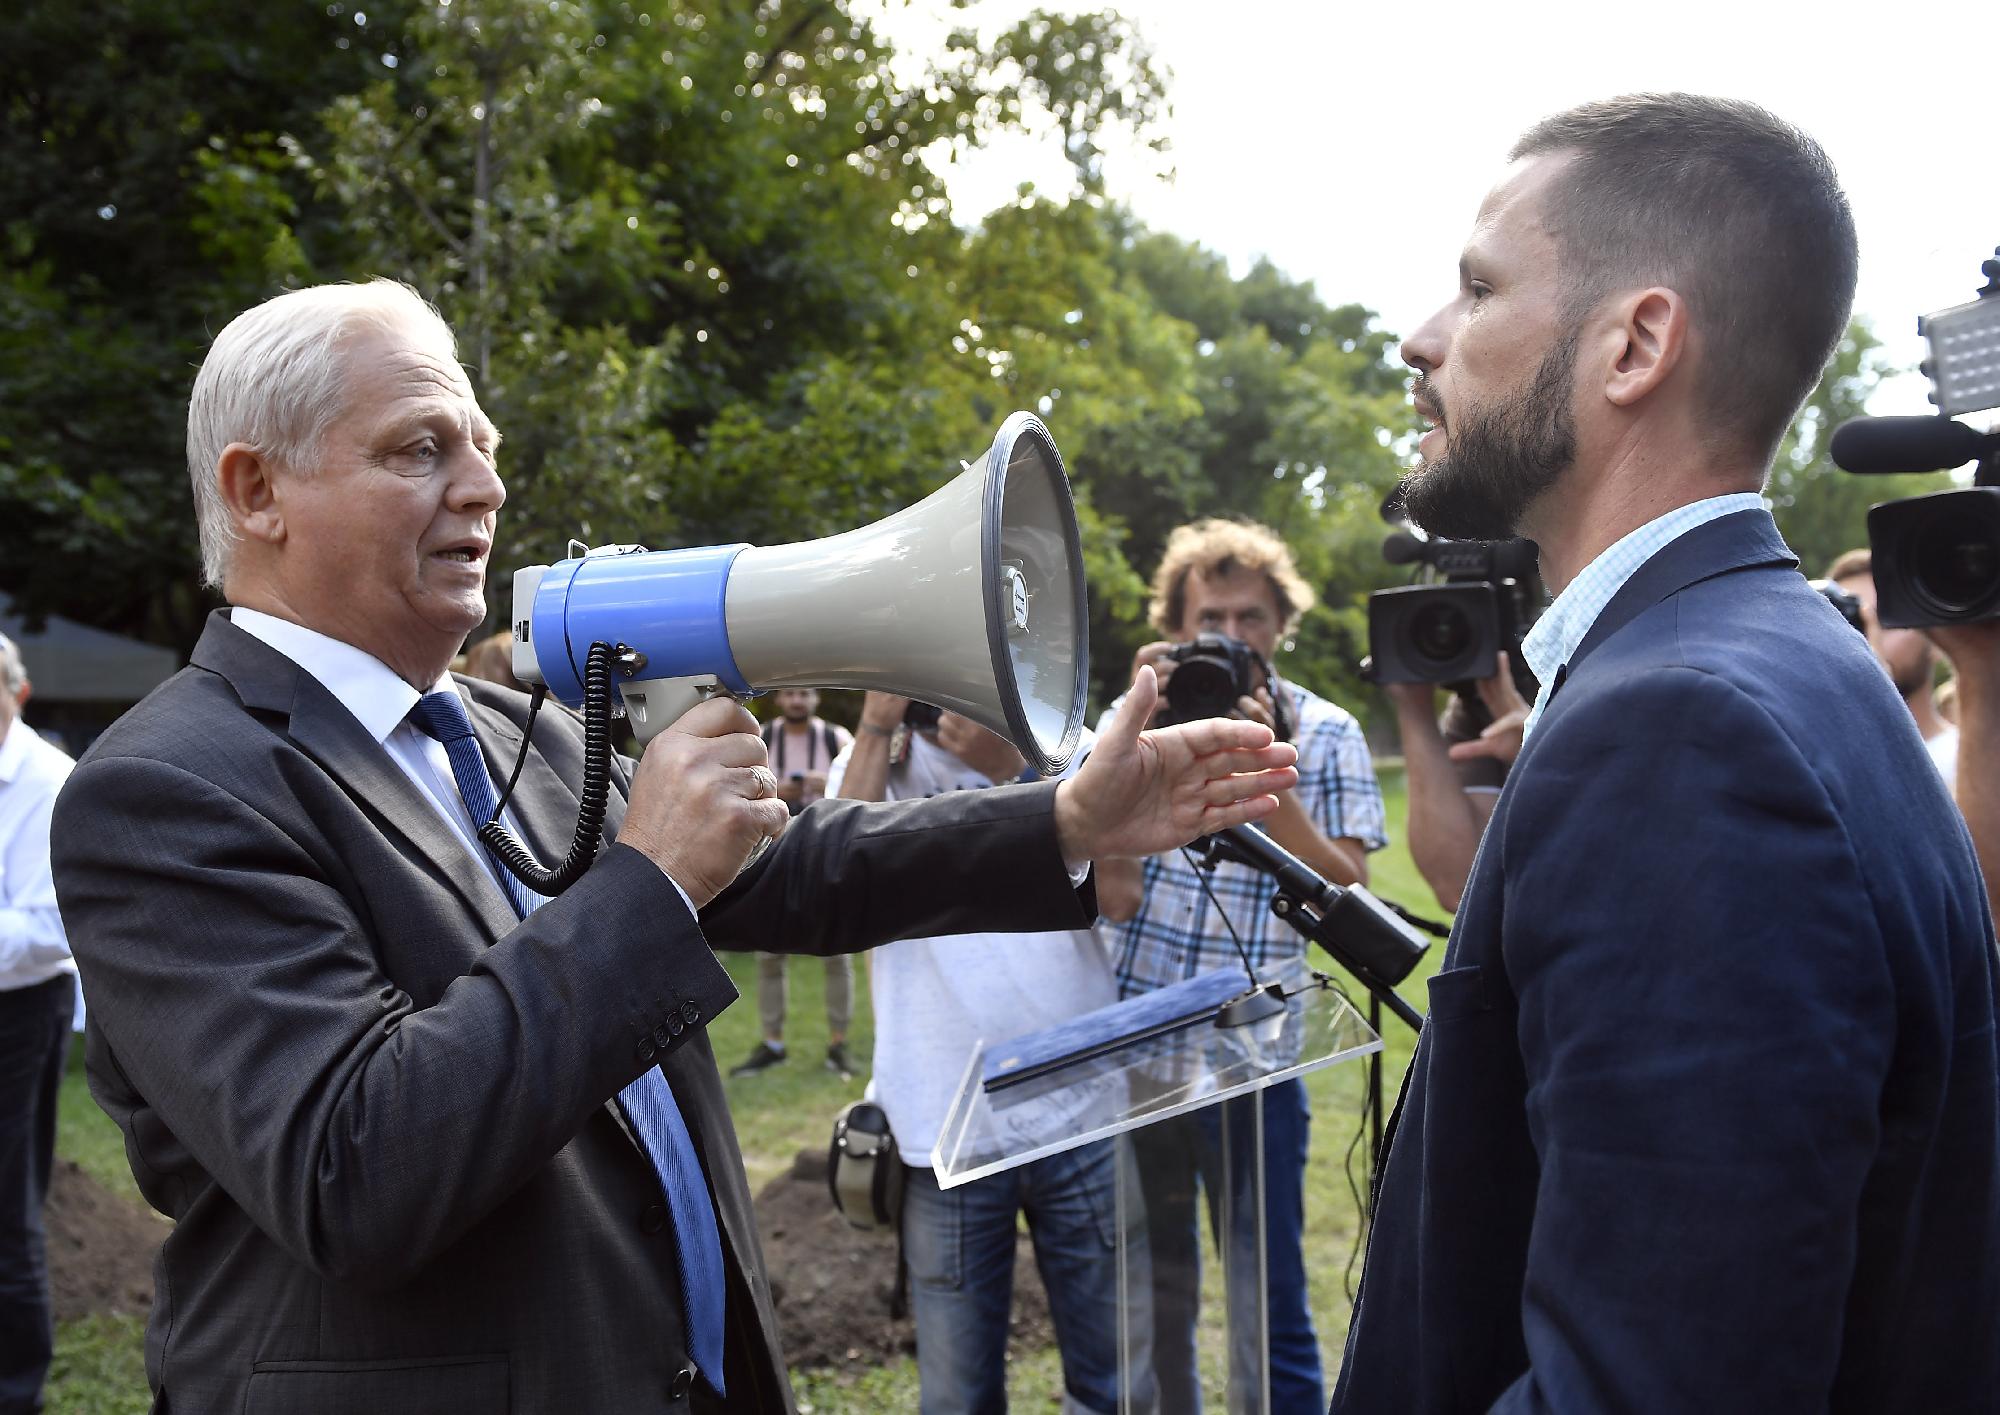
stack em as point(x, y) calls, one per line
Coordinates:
point(703, 798)
point(1139, 792)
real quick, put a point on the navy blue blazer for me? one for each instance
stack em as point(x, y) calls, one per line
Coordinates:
point(1706, 1114)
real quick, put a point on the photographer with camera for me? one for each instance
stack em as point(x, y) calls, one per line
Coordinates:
point(1907, 656)
point(1974, 651)
point(934, 999)
point(1222, 578)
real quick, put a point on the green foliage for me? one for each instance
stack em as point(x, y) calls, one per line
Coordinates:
point(700, 262)
point(1822, 510)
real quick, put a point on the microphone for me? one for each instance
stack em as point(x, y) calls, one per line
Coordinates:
point(1293, 875)
point(1359, 930)
point(1910, 444)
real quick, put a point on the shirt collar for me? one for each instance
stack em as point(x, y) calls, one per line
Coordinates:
point(1555, 636)
point(364, 685)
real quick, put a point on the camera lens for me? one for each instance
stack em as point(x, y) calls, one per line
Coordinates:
point(1201, 687)
point(1440, 632)
point(1956, 559)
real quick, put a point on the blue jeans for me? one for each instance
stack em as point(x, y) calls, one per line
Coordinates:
point(1212, 1148)
point(960, 1247)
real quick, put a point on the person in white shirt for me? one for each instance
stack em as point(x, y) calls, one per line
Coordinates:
point(37, 1000)
point(1909, 658)
point(935, 999)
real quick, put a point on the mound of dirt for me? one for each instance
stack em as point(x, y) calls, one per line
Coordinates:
point(101, 1246)
point(832, 1283)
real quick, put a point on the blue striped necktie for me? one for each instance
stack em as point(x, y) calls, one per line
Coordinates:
point(648, 1102)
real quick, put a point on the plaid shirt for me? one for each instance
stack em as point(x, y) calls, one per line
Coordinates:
point(1177, 933)
point(1563, 625)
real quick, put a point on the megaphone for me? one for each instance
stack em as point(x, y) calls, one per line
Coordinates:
point(971, 600)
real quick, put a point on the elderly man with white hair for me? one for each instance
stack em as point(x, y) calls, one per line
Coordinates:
point(37, 997)
point(434, 1143)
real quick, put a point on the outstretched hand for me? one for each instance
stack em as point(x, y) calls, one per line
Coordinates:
point(1140, 793)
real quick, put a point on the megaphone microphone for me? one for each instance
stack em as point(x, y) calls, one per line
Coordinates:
point(972, 599)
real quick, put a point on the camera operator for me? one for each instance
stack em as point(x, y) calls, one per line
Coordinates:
point(1909, 658)
point(1454, 767)
point(1974, 651)
point(934, 998)
point(1236, 578)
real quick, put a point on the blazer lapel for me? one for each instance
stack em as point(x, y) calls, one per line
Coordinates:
point(267, 681)
point(542, 806)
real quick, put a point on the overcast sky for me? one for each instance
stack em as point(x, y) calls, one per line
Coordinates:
point(1352, 144)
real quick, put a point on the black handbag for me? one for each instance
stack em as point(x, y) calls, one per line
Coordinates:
point(863, 1170)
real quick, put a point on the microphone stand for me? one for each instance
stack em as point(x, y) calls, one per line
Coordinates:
point(1365, 935)
point(1357, 930)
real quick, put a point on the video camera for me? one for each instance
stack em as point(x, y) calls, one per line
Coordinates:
point(1211, 671)
point(1451, 632)
point(1936, 558)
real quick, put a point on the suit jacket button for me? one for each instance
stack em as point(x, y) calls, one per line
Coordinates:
point(662, 1037)
point(691, 1013)
point(652, 1218)
point(645, 1048)
point(683, 1382)
point(675, 1025)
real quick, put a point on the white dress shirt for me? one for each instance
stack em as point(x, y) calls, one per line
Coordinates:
point(33, 947)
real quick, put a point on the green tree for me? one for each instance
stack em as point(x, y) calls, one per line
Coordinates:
point(1821, 510)
point(143, 200)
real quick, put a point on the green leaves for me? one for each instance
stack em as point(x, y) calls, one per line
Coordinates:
point(701, 265)
point(1821, 510)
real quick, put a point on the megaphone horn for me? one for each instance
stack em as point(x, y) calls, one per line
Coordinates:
point(971, 600)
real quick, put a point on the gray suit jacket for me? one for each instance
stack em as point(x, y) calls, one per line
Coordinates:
point(378, 1105)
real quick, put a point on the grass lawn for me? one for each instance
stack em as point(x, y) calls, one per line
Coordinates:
point(99, 1367)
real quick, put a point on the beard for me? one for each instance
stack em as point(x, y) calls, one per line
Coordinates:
point(1498, 459)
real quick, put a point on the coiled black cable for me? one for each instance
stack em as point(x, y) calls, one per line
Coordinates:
point(519, 860)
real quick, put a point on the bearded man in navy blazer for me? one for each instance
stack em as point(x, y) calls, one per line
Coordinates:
point(435, 1145)
point(1704, 1114)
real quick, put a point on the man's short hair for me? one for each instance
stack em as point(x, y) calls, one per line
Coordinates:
point(1735, 210)
point(1850, 563)
point(274, 379)
point(1216, 546)
point(13, 672)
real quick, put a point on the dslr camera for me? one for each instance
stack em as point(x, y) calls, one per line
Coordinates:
point(1211, 671)
point(1484, 596)
point(1937, 558)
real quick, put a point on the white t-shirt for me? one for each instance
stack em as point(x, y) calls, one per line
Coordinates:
point(937, 999)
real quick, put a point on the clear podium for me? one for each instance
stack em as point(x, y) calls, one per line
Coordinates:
point(1177, 1080)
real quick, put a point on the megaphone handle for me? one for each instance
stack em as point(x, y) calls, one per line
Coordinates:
point(652, 704)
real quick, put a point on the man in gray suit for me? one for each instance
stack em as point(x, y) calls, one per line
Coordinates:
point(434, 1144)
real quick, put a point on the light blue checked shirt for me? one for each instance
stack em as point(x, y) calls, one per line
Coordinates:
point(1177, 933)
point(1563, 625)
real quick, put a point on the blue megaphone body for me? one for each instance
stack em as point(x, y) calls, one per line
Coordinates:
point(972, 600)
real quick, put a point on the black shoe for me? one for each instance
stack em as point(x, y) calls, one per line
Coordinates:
point(837, 1061)
point(762, 1059)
